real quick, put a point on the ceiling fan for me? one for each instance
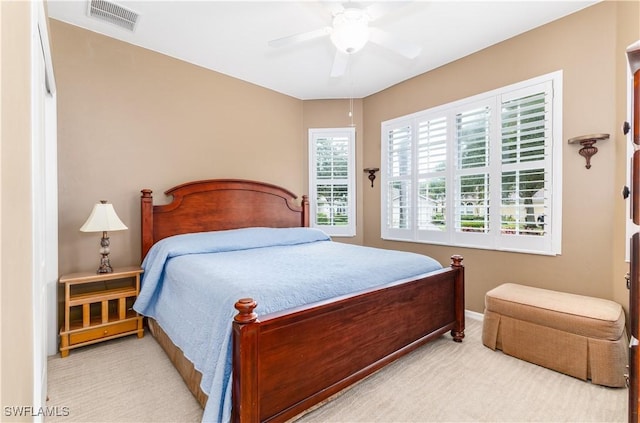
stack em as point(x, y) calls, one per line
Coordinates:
point(350, 32)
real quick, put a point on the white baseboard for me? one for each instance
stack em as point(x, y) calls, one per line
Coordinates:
point(474, 315)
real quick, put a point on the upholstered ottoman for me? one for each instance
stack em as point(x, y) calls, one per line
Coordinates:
point(580, 336)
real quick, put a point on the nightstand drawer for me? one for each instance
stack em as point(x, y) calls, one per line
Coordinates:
point(103, 331)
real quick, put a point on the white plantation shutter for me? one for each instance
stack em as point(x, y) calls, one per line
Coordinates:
point(399, 143)
point(472, 136)
point(432, 146)
point(482, 172)
point(399, 163)
point(332, 173)
point(471, 204)
point(432, 167)
point(524, 128)
point(526, 166)
point(524, 132)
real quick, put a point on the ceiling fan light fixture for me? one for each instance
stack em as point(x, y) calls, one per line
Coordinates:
point(350, 30)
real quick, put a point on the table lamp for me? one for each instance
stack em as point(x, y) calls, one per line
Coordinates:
point(103, 218)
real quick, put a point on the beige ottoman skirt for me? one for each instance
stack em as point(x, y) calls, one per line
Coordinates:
point(580, 336)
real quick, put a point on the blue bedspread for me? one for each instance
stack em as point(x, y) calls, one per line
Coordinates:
point(191, 283)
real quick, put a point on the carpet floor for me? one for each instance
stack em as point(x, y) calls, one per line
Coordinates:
point(132, 380)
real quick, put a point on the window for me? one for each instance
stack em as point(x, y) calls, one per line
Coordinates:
point(483, 172)
point(331, 180)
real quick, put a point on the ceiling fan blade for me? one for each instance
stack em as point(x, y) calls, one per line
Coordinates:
point(299, 38)
point(403, 48)
point(340, 62)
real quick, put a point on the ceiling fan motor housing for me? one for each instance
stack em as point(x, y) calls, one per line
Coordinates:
point(350, 30)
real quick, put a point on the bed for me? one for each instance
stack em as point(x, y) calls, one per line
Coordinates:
point(274, 361)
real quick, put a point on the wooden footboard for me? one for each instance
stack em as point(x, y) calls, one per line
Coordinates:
point(284, 363)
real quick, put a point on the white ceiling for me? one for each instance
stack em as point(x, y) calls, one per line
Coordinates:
point(231, 37)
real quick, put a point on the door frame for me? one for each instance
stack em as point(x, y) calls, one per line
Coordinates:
point(44, 204)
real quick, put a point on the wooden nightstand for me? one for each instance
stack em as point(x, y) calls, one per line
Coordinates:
point(98, 307)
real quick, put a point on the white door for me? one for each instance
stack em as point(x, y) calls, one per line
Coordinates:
point(44, 204)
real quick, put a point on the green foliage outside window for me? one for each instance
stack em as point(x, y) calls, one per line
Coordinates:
point(338, 219)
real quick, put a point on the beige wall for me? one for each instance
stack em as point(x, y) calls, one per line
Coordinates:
point(15, 207)
point(130, 118)
point(589, 47)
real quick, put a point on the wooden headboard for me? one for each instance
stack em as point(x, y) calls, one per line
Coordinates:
point(219, 204)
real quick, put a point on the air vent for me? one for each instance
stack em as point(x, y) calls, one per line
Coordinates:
point(113, 13)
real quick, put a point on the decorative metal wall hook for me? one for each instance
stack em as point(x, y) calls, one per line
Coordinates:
point(588, 148)
point(372, 173)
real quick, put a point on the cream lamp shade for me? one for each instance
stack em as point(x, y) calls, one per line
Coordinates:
point(103, 218)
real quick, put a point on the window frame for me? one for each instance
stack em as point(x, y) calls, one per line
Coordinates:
point(547, 244)
point(348, 230)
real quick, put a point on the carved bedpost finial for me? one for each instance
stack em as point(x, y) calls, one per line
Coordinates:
point(456, 261)
point(245, 307)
